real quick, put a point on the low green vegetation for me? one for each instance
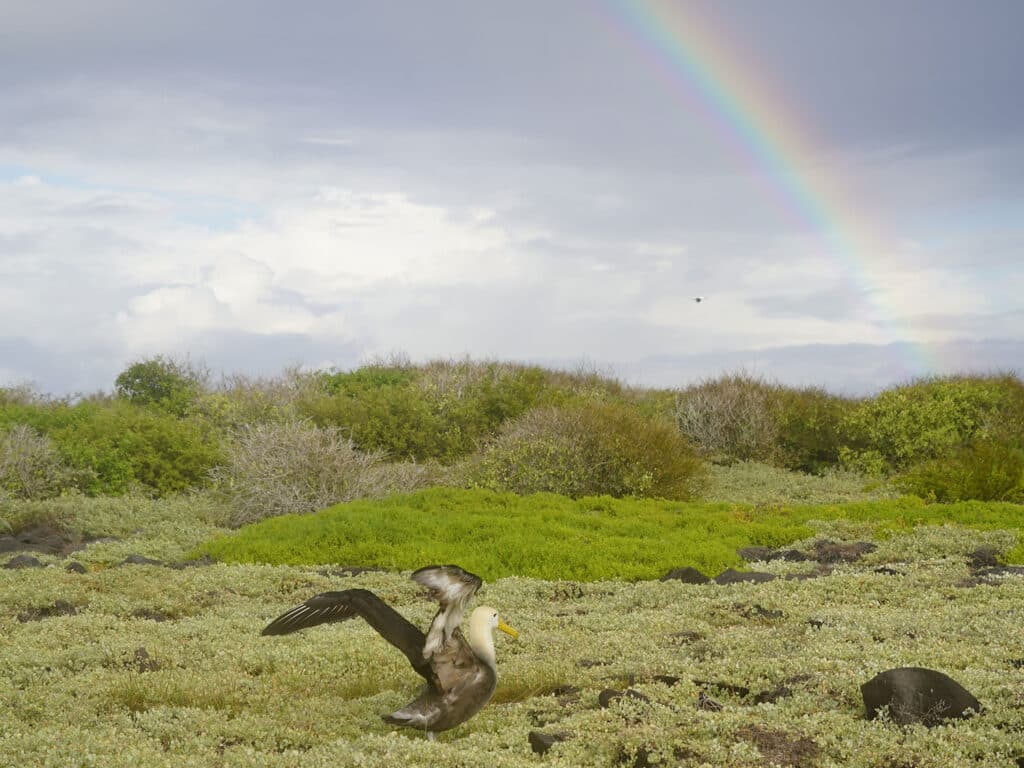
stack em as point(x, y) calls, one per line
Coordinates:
point(553, 537)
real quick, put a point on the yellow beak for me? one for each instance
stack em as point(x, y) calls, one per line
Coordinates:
point(507, 629)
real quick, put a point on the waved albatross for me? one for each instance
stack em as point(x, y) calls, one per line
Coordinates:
point(461, 676)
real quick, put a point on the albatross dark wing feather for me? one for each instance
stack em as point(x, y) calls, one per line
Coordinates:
point(339, 606)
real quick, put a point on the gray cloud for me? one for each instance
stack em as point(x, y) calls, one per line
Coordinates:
point(343, 180)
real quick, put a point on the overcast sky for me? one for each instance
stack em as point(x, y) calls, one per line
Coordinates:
point(260, 184)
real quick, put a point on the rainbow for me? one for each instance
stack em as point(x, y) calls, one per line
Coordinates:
point(693, 57)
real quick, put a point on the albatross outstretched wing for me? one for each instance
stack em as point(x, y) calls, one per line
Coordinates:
point(452, 587)
point(340, 606)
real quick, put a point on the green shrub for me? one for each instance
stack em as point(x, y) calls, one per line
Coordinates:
point(160, 381)
point(920, 421)
point(590, 448)
point(736, 415)
point(984, 469)
point(810, 434)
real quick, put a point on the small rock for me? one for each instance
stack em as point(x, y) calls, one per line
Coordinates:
point(983, 557)
point(706, 703)
point(23, 561)
point(737, 690)
point(541, 742)
point(917, 695)
point(76, 567)
point(826, 551)
point(59, 608)
point(731, 576)
point(773, 695)
point(668, 680)
point(753, 554)
point(1002, 570)
point(142, 662)
point(791, 555)
point(686, 575)
point(138, 560)
point(887, 571)
point(199, 562)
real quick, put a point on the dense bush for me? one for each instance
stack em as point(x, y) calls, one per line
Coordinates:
point(984, 469)
point(30, 467)
point(920, 421)
point(112, 445)
point(161, 381)
point(810, 433)
point(276, 469)
point(735, 415)
point(587, 449)
point(440, 411)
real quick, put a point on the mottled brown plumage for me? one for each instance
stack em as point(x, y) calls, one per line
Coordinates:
point(460, 674)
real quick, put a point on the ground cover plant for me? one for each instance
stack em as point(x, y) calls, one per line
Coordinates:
point(554, 537)
point(127, 665)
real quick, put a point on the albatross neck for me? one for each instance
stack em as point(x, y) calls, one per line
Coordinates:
point(481, 639)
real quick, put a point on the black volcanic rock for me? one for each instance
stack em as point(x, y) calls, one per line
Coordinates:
point(731, 576)
point(686, 575)
point(917, 695)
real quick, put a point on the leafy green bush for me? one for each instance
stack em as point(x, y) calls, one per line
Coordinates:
point(736, 415)
point(160, 381)
point(751, 482)
point(113, 445)
point(984, 469)
point(590, 448)
point(439, 411)
point(925, 419)
point(810, 434)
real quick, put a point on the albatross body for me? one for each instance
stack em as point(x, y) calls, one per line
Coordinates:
point(460, 673)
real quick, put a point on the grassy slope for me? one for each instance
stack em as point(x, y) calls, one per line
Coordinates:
point(552, 537)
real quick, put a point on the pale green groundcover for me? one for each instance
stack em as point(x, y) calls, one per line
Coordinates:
point(73, 693)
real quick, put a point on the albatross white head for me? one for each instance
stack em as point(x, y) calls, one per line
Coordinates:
point(482, 623)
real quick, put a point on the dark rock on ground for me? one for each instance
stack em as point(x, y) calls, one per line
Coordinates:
point(541, 742)
point(752, 554)
point(686, 575)
point(816, 623)
point(608, 695)
point(826, 551)
point(1002, 570)
point(76, 567)
point(887, 571)
point(781, 748)
point(142, 662)
point(138, 560)
point(736, 690)
point(199, 562)
point(773, 695)
point(731, 576)
point(59, 608)
point(917, 695)
point(23, 561)
point(706, 703)
point(983, 557)
point(668, 680)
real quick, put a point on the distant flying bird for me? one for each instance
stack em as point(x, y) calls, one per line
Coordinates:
point(698, 299)
point(461, 676)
